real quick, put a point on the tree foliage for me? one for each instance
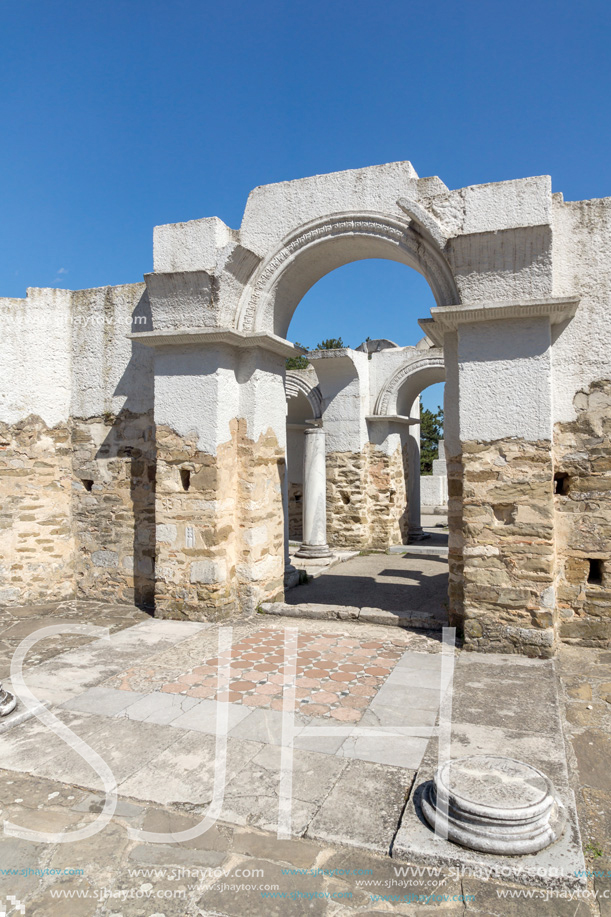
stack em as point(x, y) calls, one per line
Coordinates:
point(431, 431)
point(300, 361)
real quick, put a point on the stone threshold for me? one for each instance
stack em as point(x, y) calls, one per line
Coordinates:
point(415, 620)
point(419, 549)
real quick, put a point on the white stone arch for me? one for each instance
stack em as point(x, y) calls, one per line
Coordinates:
point(322, 245)
point(416, 375)
point(296, 383)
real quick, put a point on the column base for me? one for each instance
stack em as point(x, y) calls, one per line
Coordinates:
point(314, 550)
point(416, 534)
point(7, 703)
point(291, 576)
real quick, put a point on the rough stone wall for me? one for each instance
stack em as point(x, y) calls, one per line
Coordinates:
point(114, 507)
point(366, 498)
point(36, 538)
point(295, 511)
point(220, 534)
point(347, 518)
point(456, 592)
point(508, 552)
point(386, 496)
point(582, 466)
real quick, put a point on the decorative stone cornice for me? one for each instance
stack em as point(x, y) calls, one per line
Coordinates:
point(448, 318)
point(245, 339)
point(393, 418)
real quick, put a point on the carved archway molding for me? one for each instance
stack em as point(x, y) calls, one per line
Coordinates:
point(386, 402)
point(296, 383)
point(399, 238)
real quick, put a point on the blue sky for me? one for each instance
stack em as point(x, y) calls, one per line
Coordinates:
point(122, 115)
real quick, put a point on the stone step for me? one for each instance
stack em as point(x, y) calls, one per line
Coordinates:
point(432, 550)
point(416, 620)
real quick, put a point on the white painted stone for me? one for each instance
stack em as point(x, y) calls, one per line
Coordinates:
point(314, 496)
point(258, 534)
point(166, 533)
point(494, 804)
point(35, 363)
point(191, 246)
point(343, 378)
point(272, 211)
point(105, 558)
point(507, 205)
point(505, 380)
point(208, 571)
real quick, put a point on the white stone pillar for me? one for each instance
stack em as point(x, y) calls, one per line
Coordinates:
point(413, 485)
point(314, 496)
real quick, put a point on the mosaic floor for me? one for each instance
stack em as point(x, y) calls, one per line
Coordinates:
point(336, 676)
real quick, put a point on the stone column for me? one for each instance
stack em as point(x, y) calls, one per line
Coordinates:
point(413, 485)
point(314, 496)
point(7, 702)
point(291, 573)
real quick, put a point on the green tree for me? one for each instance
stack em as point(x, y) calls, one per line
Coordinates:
point(330, 344)
point(431, 431)
point(300, 361)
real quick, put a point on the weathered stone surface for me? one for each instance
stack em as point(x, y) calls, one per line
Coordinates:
point(220, 517)
point(494, 804)
point(582, 457)
point(37, 556)
point(501, 546)
point(367, 498)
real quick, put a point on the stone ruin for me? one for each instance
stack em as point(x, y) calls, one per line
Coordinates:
point(143, 427)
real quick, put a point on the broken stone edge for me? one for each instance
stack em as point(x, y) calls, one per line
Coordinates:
point(412, 620)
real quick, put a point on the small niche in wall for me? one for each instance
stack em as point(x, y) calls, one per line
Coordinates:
point(87, 484)
point(185, 478)
point(561, 483)
point(596, 571)
point(504, 513)
point(297, 497)
point(345, 498)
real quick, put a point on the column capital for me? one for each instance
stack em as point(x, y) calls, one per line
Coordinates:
point(242, 339)
point(448, 318)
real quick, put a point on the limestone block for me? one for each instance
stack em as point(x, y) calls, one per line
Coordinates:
point(167, 533)
point(208, 571)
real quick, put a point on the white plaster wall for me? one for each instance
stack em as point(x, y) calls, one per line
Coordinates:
point(383, 365)
point(582, 266)
point(433, 490)
point(110, 372)
point(451, 405)
point(507, 204)
point(512, 264)
point(262, 393)
point(273, 211)
point(191, 246)
point(35, 357)
point(505, 380)
point(196, 392)
point(343, 378)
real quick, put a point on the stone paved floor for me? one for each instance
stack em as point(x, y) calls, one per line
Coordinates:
point(349, 794)
point(386, 581)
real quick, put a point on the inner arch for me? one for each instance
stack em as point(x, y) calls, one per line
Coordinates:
point(316, 249)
